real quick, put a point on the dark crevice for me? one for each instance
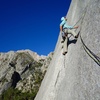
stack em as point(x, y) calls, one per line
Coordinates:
point(26, 68)
point(57, 78)
point(15, 79)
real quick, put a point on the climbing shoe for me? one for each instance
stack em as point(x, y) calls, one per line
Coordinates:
point(76, 36)
point(63, 39)
point(64, 53)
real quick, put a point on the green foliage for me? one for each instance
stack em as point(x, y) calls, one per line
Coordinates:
point(15, 94)
point(35, 65)
point(38, 78)
point(39, 64)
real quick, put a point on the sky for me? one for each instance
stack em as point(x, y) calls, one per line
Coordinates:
point(31, 24)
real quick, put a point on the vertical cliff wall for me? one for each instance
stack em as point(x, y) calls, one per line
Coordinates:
point(76, 76)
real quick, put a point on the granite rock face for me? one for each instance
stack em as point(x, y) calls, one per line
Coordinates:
point(23, 69)
point(76, 76)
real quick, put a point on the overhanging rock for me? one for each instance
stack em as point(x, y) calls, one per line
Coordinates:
point(76, 76)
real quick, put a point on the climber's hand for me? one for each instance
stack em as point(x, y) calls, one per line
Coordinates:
point(76, 27)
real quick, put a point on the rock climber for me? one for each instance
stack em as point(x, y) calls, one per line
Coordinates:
point(65, 29)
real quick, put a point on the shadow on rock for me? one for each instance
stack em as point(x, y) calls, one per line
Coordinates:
point(15, 79)
point(71, 41)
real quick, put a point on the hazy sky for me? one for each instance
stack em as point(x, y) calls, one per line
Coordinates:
point(31, 24)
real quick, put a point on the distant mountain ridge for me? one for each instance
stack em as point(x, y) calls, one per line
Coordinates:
point(21, 69)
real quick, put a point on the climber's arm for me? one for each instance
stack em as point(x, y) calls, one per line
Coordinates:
point(76, 27)
point(72, 27)
point(61, 26)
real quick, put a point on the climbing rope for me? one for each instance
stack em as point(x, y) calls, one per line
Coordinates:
point(83, 12)
point(82, 16)
point(88, 51)
point(79, 19)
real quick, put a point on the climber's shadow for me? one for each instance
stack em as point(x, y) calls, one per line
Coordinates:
point(71, 41)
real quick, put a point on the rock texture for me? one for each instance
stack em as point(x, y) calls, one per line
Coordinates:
point(76, 76)
point(23, 69)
